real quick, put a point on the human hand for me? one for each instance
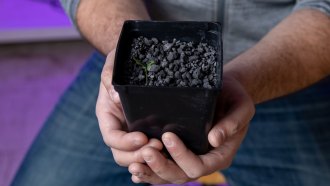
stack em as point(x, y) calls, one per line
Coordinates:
point(126, 146)
point(234, 111)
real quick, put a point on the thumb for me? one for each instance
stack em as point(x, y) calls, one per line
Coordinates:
point(237, 118)
point(106, 77)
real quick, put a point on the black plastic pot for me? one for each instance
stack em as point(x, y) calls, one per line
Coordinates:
point(188, 112)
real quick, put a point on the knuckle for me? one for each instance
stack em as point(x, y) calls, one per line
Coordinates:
point(237, 127)
point(232, 126)
point(138, 157)
point(233, 122)
point(179, 154)
point(194, 174)
point(219, 133)
point(159, 168)
point(226, 164)
point(159, 171)
point(121, 162)
point(106, 141)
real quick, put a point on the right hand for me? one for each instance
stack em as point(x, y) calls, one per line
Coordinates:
point(126, 146)
point(235, 109)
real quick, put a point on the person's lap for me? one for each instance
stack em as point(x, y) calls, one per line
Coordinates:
point(286, 143)
point(69, 149)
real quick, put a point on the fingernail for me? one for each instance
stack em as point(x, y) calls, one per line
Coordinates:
point(137, 142)
point(147, 158)
point(168, 142)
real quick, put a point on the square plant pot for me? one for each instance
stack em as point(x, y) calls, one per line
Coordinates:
point(154, 110)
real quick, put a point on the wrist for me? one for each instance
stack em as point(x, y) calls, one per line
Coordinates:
point(238, 70)
point(233, 75)
point(100, 22)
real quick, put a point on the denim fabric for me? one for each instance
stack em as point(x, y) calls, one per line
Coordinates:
point(69, 150)
point(288, 142)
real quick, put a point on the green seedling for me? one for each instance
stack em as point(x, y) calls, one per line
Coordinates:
point(146, 67)
point(149, 64)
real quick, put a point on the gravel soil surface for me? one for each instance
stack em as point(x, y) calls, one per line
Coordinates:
point(171, 64)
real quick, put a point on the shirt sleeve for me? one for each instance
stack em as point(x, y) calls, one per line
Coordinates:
point(70, 7)
point(321, 5)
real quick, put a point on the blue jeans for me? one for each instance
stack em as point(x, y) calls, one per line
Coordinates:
point(288, 142)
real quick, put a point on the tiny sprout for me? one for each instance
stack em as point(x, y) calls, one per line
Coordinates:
point(145, 68)
point(151, 62)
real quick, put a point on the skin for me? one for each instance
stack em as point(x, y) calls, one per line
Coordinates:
point(263, 72)
point(100, 21)
point(292, 56)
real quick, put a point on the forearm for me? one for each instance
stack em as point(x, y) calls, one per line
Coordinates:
point(294, 55)
point(100, 21)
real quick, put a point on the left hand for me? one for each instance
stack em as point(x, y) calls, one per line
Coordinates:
point(234, 111)
point(126, 146)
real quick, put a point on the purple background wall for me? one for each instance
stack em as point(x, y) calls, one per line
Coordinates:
point(32, 20)
point(32, 76)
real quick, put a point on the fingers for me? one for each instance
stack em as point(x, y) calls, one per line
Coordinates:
point(238, 116)
point(141, 173)
point(122, 140)
point(106, 109)
point(126, 147)
point(196, 166)
point(125, 158)
point(160, 170)
point(112, 125)
point(220, 158)
point(186, 166)
point(190, 163)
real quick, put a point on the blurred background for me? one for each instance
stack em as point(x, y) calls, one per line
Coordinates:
point(40, 54)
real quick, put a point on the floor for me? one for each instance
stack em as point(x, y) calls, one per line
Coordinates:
point(32, 77)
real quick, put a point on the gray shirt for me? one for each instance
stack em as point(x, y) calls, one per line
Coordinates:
point(245, 22)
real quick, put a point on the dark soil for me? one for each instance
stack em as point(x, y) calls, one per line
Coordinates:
point(171, 64)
